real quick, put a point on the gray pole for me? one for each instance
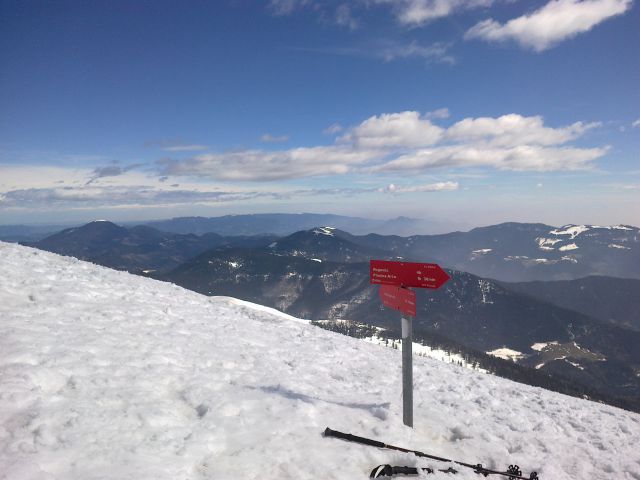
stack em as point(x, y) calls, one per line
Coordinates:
point(407, 373)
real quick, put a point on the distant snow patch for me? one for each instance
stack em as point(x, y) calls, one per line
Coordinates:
point(538, 347)
point(577, 365)
point(324, 231)
point(547, 243)
point(485, 289)
point(571, 246)
point(573, 230)
point(475, 254)
point(506, 354)
point(621, 247)
point(543, 260)
point(317, 260)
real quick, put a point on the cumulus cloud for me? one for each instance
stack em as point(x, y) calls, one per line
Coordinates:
point(558, 20)
point(268, 138)
point(514, 129)
point(404, 129)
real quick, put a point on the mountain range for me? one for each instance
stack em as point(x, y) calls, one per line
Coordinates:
point(137, 249)
point(322, 273)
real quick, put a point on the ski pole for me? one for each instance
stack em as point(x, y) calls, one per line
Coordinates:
point(513, 472)
point(389, 471)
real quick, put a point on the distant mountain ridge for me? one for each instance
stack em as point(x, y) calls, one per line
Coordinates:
point(139, 248)
point(516, 252)
point(283, 224)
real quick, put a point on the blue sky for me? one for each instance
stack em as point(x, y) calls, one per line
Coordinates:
point(468, 112)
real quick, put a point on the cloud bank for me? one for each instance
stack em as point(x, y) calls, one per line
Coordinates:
point(407, 141)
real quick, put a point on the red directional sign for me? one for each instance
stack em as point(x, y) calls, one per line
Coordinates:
point(407, 274)
point(398, 298)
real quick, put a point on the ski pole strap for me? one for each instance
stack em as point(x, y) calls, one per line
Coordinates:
point(389, 471)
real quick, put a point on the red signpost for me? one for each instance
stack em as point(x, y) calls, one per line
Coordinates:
point(407, 274)
point(394, 279)
point(398, 298)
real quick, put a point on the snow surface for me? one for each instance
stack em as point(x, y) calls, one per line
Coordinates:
point(105, 375)
point(571, 246)
point(425, 351)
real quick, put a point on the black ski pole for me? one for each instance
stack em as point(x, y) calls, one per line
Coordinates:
point(513, 472)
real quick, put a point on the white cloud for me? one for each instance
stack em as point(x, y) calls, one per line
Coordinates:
point(419, 12)
point(514, 129)
point(438, 114)
point(434, 53)
point(556, 21)
point(184, 148)
point(333, 129)
point(268, 138)
point(259, 165)
point(636, 124)
point(345, 18)
point(431, 187)
point(518, 158)
point(286, 7)
point(404, 129)
point(407, 141)
point(116, 196)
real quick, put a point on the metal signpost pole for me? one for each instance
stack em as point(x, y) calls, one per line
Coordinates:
point(407, 372)
point(396, 280)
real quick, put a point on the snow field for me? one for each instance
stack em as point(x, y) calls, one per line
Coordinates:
point(105, 375)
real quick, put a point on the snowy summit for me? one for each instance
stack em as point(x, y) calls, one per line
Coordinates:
point(106, 375)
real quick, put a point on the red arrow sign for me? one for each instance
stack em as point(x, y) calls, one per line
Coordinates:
point(407, 274)
point(398, 298)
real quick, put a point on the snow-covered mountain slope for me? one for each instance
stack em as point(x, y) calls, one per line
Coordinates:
point(105, 375)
